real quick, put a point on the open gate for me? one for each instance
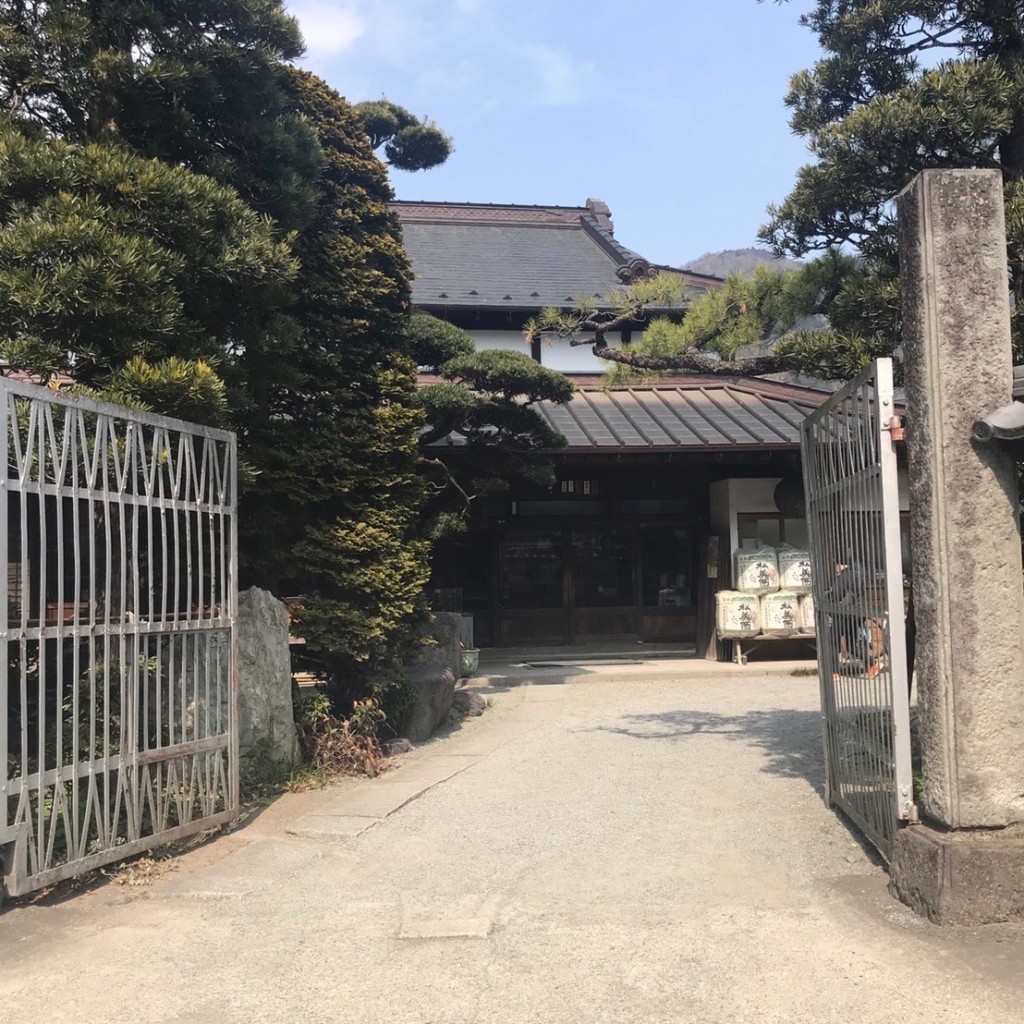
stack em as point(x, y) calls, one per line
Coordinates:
point(850, 481)
point(118, 689)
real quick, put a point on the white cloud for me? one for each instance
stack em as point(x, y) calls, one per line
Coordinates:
point(561, 78)
point(460, 76)
point(327, 27)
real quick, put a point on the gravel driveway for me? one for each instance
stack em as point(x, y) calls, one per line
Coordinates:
point(606, 844)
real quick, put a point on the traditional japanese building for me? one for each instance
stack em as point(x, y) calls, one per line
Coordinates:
point(658, 483)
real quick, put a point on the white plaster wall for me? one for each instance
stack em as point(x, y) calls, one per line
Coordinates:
point(558, 354)
point(749, 495)
point(728, 498)
point(485, 340)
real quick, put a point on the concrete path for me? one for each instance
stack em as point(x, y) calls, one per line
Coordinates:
point(609, 843)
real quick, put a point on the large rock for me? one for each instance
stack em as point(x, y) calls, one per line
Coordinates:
point(468, 704)
point(432, 675)
point(265, 714)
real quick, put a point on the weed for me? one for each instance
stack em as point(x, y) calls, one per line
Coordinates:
point(261, 773)
point(339, 746)
point(304, 777)
point(804, 672)
point(142, 871)
point(918, 787)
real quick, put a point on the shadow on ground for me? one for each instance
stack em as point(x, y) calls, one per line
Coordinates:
point(503, 678)
point(791, 740)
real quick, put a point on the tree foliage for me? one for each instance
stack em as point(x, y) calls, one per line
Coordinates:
point(107, 258)
point(189, 223)
point(904, 85)
point(766, 322)
point(333, 514)
point(484, 404)
point(410, 143)
point(195, 83)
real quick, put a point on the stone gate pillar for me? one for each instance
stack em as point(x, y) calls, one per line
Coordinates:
point(968, 596)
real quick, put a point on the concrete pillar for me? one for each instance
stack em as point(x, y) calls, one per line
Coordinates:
point(968, 596)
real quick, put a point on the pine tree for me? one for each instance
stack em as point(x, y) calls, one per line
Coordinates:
point(903, 86)
point(766, 322)
point(487, 400)
point(409, 143)
point(195, 83)
point(333, 515)
point(110, 262)
point(313, 376)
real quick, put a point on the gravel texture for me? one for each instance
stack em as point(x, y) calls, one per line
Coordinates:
point(642, 843)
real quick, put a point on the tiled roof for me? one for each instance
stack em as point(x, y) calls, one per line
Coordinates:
point(696, 413)
point(473, 255)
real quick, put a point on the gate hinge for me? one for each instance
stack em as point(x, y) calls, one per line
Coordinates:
point(895, 428)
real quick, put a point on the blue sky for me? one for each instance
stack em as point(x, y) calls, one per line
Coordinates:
point(672, 113)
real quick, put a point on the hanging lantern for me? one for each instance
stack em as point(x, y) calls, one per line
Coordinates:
point(789, 497)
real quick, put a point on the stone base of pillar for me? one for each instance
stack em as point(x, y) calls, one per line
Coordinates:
point(961, 877)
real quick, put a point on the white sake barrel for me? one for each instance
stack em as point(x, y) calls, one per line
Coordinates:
point(807, 624)
point(794, 570)
point(757, 572)
point(738, 615)
point(780, 613)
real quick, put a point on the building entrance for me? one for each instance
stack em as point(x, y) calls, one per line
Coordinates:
point(608, 580)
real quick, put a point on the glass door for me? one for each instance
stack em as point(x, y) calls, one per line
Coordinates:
point(603, 602)
point(531, 587)
point(667, 582)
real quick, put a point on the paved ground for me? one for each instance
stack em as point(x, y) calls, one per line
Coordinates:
point(608, 844)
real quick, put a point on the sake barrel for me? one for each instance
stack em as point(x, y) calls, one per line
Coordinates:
point(757, 571)
point(737, 614)
point(807, 623)
point(794, 569)
point(780, 613)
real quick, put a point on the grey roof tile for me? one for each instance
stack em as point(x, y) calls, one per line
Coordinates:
point(520, 257)
point(701, 415)
point(696, 413)
point(531, 265)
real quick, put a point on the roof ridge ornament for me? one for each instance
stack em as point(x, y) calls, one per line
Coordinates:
point(601, 215)
point(637, 269)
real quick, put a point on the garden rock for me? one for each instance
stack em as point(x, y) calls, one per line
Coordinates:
point(266, 717)
point(467, 704)
point(432, 676)
point(393, 747)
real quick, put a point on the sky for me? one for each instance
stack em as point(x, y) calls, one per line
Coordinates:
point(671, 112)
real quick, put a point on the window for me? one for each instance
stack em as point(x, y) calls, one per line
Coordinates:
point(602, 573)
point(530, 570)
point(666, 559)
point(771, 528)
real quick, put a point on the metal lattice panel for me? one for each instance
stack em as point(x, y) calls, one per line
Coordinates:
point(850, 479)
point(118, 690)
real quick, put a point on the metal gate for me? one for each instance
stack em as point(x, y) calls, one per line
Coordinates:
point(118, 690)
point(850, 480)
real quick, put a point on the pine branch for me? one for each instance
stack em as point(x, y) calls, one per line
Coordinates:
point(438, 464)
point(695, 361)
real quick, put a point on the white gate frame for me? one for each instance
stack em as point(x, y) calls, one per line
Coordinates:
point(852, 491)
point(118, 685)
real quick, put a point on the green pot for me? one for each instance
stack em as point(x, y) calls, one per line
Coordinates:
point(470, 661)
